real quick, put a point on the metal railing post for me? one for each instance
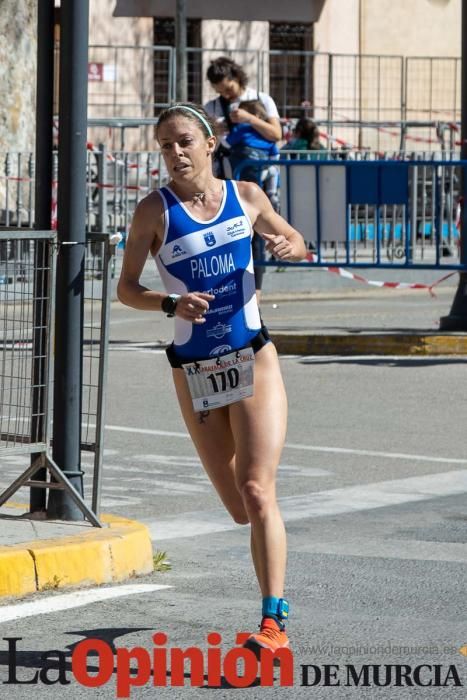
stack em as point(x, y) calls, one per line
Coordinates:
point(330, 89)
point(70, 271)
point(43, 199)
point(102, 375)
point(180, 48)
point(102, 187)
point(457, 318)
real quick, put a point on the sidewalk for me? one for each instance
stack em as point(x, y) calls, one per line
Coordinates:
point(39, 556)
point(362, 321)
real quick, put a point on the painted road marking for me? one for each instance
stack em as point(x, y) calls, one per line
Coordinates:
point(138, 350)
point(376, 359)
point(57, 603)
point(351, 499)
point(388, 548)
point(298, 446)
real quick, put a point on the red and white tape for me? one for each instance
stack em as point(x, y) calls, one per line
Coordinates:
point(311, 257)
point(382, 129)
point(154, 172)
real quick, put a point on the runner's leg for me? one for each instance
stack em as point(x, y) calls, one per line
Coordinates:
point(214, 443)
point(259, 427)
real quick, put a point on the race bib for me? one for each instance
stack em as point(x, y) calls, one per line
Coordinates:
point(218, 382)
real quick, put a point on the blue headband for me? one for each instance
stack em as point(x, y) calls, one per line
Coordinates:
point(197, 114)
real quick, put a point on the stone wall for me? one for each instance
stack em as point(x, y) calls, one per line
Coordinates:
point(18, 49)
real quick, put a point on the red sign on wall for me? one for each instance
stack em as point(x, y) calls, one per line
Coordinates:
point(95, 72)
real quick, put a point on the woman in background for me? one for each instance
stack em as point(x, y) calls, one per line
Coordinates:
point(230, 81)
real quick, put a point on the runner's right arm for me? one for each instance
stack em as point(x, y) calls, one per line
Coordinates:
point(145, 237)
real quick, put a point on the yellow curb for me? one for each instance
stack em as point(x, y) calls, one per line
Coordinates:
point(14, 504)
point(113, 553)
point(17, 574)
point(370, 344)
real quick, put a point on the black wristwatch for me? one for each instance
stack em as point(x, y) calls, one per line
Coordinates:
point(169, 304)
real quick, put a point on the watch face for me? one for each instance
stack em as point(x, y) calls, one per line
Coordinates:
point(169, 304)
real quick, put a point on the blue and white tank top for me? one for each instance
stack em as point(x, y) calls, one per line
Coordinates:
point(212, 256)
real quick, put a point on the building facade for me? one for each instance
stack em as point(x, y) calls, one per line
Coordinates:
point(331, 59)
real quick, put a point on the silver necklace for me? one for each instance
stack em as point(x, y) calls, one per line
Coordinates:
point(199, 197)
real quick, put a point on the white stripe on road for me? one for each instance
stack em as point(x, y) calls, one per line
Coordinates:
point(140, 351)
point(57, 603)
point(388, 548)
point(377, 495)
point(298, 446)
point(374, 453)
point(351, 499)
point(143, 431)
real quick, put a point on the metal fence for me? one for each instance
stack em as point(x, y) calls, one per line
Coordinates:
point(17, 171)
point(27, 290)
point(99, 259)
point(339, 89)
point(25, 344)
point(129, 82)
point(372, 213)
point(118, 180)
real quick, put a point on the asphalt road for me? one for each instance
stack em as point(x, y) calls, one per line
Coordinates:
point(372, 487)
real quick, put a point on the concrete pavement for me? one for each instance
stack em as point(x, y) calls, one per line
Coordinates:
point(344, 319)
point(315, 312)
point(352, 319)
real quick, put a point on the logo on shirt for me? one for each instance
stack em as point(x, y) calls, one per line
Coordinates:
point(227, 309)
point(209, 239)
point(177, 250)
point(226, 289)
point(220, 350)
point(219, 330)
point(236, 229)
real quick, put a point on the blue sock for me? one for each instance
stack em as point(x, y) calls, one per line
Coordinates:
point(277, 608)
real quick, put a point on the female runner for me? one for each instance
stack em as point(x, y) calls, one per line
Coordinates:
point(225, 369)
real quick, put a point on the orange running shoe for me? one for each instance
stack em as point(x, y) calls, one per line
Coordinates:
point(271, 636)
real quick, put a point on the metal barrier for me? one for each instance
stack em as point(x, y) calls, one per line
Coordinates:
point(24, 256)
point(17, 189)
point(137, 81)
point(99, 261)
point(432, 88)
point(129, 82)
point(383, 214)
point(27, 284)
point(118, 180)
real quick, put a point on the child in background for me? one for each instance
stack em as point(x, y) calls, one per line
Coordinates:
point(305, 138)
point(248, 141)
point(245, 135)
